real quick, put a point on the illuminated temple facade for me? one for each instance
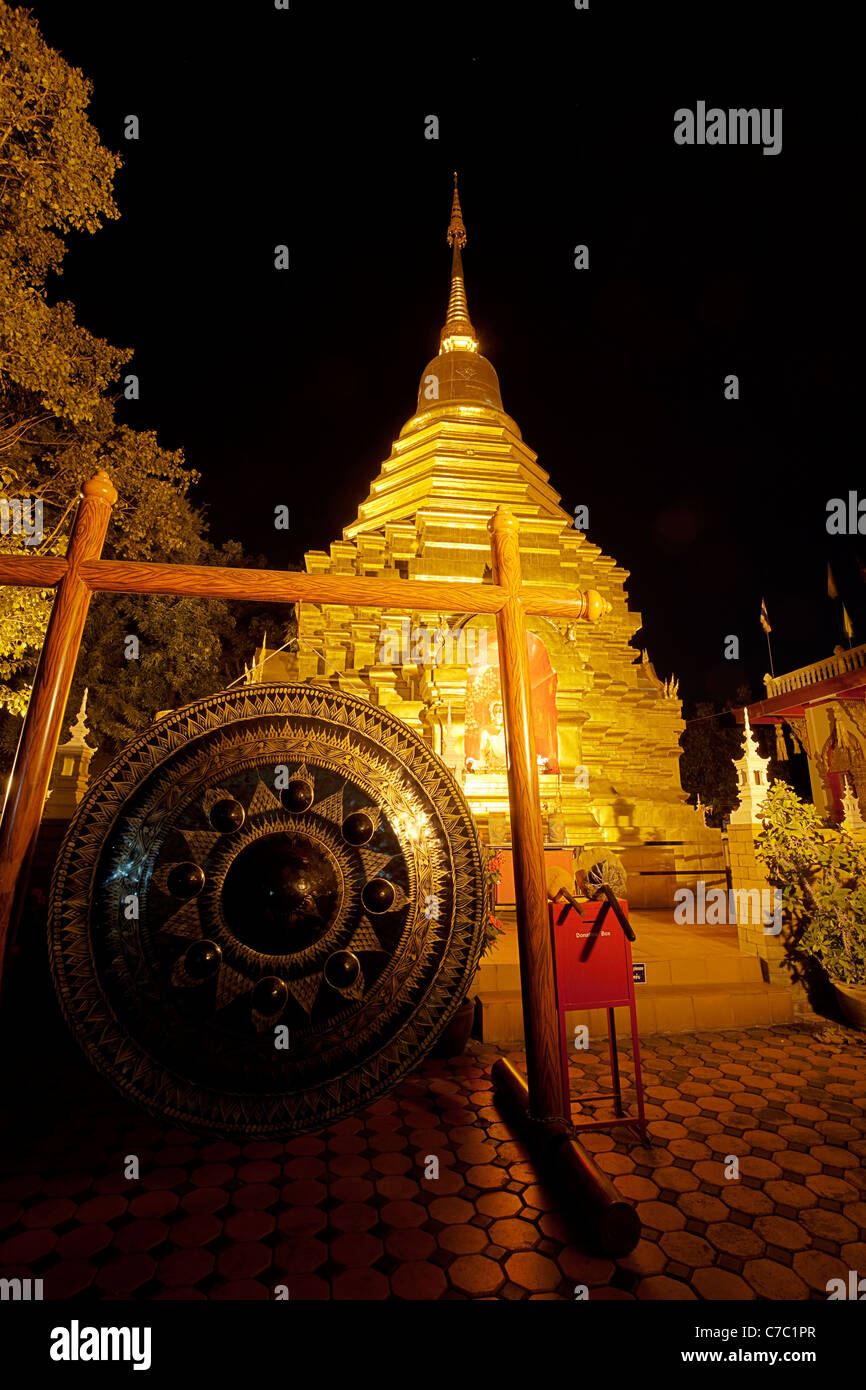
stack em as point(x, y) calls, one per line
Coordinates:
point(607, 728)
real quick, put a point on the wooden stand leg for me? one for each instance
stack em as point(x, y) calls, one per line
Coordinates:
point(543, 1060)
point(638, 1078)
point(589, 1193)
point(614, 1063)
point(31, 773)
point(563, 1053)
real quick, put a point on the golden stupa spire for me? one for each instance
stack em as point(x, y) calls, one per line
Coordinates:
point(456, 228)
point(458, 332)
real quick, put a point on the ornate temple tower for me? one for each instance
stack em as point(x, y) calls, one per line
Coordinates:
point(607, 728)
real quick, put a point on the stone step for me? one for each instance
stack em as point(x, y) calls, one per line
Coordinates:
point(675, 1008)
point(496, 974)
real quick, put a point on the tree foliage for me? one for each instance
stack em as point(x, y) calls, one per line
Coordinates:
point(58, 423)
point(707, 762)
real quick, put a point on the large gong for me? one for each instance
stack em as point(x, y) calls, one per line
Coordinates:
point(266, 910)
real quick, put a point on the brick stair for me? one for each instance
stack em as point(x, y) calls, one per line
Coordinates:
point(696, 978)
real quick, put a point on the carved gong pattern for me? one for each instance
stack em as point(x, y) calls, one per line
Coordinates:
point(275, 864)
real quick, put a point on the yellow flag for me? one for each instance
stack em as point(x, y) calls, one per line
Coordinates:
point(832, 591)
point(765, 618)
point(847, 625)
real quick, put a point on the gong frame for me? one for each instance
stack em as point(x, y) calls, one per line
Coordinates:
point(82, 572)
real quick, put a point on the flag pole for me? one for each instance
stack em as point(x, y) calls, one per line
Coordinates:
point(765, 624)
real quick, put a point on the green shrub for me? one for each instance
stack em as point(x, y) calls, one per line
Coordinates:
point(821, 871)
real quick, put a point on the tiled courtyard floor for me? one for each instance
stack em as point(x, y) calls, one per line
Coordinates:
point(348, 1214)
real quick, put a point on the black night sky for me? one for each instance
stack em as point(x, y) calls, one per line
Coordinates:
point(306, 127)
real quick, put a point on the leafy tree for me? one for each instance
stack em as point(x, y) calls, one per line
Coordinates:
point(58, 425)
point(707, 762)
point(54, 178)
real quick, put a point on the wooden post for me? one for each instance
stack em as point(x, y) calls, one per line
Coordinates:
point(28, 784)
point(611, 1220)
point(540, 1018)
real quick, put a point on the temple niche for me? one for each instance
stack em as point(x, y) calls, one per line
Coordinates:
point(607, 728)
point(484, 736)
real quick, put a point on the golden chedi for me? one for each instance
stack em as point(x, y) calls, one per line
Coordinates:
point(606, 727)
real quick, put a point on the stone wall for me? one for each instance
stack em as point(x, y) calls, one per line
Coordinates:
point(747, 873)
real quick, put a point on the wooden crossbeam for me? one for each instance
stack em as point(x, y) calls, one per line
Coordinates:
point(287, 586)
point(81, 573)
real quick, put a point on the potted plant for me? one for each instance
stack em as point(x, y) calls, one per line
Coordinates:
point(821, 871)
point(459, 1028)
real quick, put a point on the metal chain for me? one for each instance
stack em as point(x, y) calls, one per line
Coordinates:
point(551, 1120)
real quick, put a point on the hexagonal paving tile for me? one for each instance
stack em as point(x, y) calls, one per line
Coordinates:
point(660, 1216)
point(418, 1280)
point(790, 1194)
point(360, 1285)
point(244, 1260)
point(451, 1211)
point(301, 1255)
point(769, 1279)
point(354, 1216)
point(735, 1240)
point(675, 1180)
point(687, 1249)
point(514, 1234)
point(855, 1254)
point(778, 1230)
point(498, 1203)
point(828, 1225)
point(357, 1248)
point(462, 1240)
point(532, 1271)
point(661, 1287)
point(487, 1177)
point(410, 1244)
point(636, 1189)
point(475, 1274)
point(701, 1206)
point(585, 1269)
point(721, 1284)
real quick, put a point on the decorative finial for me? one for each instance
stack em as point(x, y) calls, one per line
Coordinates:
point(456, 229)
point(79, 730)
point(752, 778)
point(852, 820)
point(458, 333)
point(750, 741)
point(100, 485)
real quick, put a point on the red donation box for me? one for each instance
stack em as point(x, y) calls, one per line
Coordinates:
point(592, 956)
